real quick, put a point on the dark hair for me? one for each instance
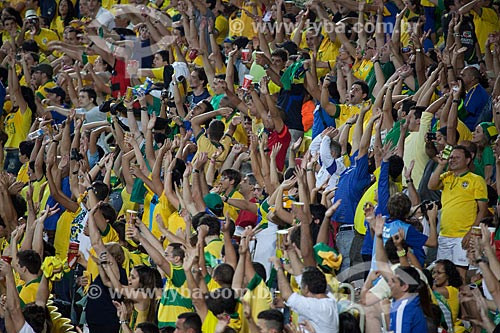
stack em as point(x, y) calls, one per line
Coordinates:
point(221, 300)
point(418, 111)
point(91, 93)
point(364, 88)
point(282, 53)
point(454, 278)
point(31, 260)
point(408, 275)
point(407, 105)
point(101, 190)
point(15, 14)
point(223, 273)
point(196, 219)
point(3, 75)
point(108, 212)
point(208, 105)
point(216, 130)
point(314, 280)
point(260, 270)
point(396, 165)
point(164, 55)
point(19, 204)
point(348, 323)
point(202, 76)
point(29, 98)
point(38, 317)
point(232, 175)
point(148, 327)
point(399, 206)
point(213, 224)
point(274, 319)
point(149, 279)
point(26, 147)
point(391, 250)
point(71, 12)
point(177, 250)
point(318, 211)
point(29, 45)
point(466, 151)
point(191, 320)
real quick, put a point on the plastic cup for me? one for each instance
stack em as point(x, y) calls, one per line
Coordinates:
point(73, 253)
point(193, 54)
point(131, 214)
point(280, 238)
point(476, 231)
point(245, 55)
point(7, 259)
point(247, 81)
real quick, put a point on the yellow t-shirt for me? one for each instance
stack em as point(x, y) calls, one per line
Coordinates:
point(362, 69)
point(258, 296)
point(241, 24)
point(27, 292)
point(22, 175)
point(485, 24)
point(459, 197)
point(213, 251)
point(205, 145)
point(211, 322)
point(222, 26)
point(108, 236)
point(63, 231)
point(17, 126)
point(233, 211)
point(127, 204)
point(327, 52)
point(43, 38)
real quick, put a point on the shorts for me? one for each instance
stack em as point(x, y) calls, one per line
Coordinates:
point(451, 249)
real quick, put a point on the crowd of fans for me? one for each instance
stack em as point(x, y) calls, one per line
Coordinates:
point(249, 166)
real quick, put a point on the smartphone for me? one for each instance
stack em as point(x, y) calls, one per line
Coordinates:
point(445, 154)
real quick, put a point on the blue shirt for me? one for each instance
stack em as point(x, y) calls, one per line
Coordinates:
point(352, 184)
point(51, 221)
point(322, 119)
point(407, 316)
point(477, 103)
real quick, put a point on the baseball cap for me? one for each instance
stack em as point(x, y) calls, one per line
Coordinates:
point(58, 91)
point(44, 68)
point(213, 202)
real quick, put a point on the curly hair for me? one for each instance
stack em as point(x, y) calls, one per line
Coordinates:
point(454, 278)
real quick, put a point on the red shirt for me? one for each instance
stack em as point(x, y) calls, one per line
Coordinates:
point(246, 218)
point(284, 138)
point(119, 80)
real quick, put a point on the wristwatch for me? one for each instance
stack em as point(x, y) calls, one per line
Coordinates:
point(266, 67)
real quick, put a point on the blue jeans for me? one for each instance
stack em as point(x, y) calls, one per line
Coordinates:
point(11, 162)
point(343, 241)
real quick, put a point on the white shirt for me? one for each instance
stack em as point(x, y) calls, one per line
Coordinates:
point(321, 312)
point(26, 328)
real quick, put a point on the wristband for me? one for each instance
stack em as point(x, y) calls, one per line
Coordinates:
point(267, 150)
point(196, 171)
point(401, 253)
point(90, 188)
point(409, 180)
point(123, 322)
point(456, 101)
point(266, 67)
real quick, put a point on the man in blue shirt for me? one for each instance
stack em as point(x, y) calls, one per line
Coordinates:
point(352, 184)
point(477, 101)
point(406, 314)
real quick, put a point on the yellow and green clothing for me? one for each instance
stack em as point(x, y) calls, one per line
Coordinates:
point(258, 296)
point(459, 198)
point(27, 291)
point(211, 321)
point(42, 38)
point(213, 252)
point(17, 126)
point(175, 299)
